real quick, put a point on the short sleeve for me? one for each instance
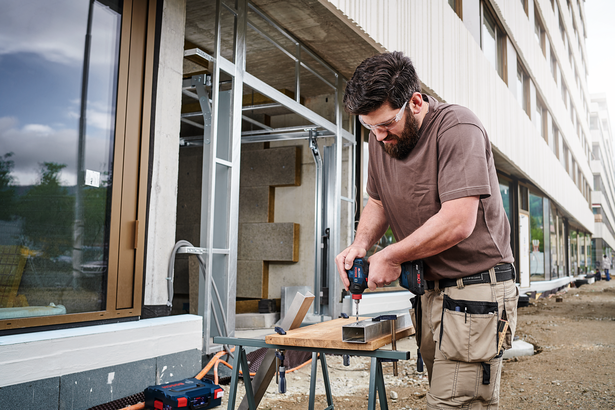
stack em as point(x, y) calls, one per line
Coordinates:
point(463, 162)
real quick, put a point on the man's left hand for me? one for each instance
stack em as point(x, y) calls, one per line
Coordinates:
point(382, 271)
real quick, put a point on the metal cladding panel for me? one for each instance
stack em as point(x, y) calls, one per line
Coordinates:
point(453, 67)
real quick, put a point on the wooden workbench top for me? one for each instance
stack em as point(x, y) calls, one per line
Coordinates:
point(328, 335)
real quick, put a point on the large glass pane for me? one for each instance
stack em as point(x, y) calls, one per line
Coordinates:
point(489, 39)
point(58, 76)
point(537, 256)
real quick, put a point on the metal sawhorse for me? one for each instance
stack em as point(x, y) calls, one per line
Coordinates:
point(376, 379)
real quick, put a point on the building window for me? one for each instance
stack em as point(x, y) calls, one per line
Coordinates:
point(539, 32)
point(73, 157)
point(562, 29)
point(457, 6)
point(522, 86)
point(539, 119)
point(537, 240)
point(554, 140)
point(493, 42)
point(564, 94)
point(553, 66)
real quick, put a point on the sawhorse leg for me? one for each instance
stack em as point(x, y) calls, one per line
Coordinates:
point(325, 376)
point(241, 362)
point(376, 385)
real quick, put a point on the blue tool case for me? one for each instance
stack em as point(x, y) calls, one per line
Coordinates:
point(189, 394)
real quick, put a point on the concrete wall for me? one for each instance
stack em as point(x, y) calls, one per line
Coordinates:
point(164, 166)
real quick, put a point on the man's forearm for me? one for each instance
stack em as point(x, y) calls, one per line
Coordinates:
point(451, 225)
point(372, 225)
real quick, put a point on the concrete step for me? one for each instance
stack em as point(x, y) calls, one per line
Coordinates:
point(256, 320)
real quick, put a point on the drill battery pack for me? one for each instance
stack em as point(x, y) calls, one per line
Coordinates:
point(412, 278)
point(188, 394)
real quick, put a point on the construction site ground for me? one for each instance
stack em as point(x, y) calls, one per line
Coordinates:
point(573, 367)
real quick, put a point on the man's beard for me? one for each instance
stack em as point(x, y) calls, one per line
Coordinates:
point(405, 142)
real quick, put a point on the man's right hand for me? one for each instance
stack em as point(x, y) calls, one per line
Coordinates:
point(345, 260)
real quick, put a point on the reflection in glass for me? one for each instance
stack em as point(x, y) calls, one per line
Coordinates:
point(537, 256)
point(55, 175)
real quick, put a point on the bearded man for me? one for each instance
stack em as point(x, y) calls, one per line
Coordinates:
point(432, 179)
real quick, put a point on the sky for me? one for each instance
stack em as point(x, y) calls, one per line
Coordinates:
point(600, 41)
point(41, 64)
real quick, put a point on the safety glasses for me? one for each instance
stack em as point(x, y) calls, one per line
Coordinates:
point(387, 125)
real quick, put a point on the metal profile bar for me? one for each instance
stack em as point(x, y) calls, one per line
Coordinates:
point(261, 106)
point(366, 330)
point(317, 220)
point(208, 189)
point(272, 23)
point(280, 130)
point(190, 94)
point(229, 8)
point(296, 59)
point(272, 41)
point(197, 52)
point(258, 124)
point(293, 105)
point(298, 74)
point(311, 70)
point(274, 137)
point(196, 124)
point(220, 251)
point(291, 38)
point(343, 198)
point(224, 162)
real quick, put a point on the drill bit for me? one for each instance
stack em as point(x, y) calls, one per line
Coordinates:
point(356, 304)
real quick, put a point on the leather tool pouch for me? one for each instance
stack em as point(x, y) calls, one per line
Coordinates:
point(469, 330)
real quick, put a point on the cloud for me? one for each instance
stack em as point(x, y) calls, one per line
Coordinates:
point(34, 144)
point(56, 30)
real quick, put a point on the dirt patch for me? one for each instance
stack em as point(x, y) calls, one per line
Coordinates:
point(573, 368)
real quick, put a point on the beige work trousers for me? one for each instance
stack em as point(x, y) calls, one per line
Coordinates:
point(454, 344)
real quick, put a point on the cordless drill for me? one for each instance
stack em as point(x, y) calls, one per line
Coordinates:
point(411, 278)
point(357, 276)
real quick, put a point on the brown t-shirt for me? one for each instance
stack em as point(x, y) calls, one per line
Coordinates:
point(451, 160)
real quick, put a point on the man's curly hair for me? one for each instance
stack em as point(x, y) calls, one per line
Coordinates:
point(387, 77)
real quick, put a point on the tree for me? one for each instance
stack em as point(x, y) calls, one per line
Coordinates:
point(47, 210)
point(7, 189)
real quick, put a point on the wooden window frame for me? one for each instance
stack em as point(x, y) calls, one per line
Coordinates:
point(135, 75)
point(500, 40)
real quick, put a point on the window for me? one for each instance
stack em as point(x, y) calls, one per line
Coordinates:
point(562, 29)
point(539, 32)
point(457, 6)
point(74, 157)
point(564, 94)
point(522, 86)
point(554, 140)
point(537, 238)
point(553, 66)
point(492, 42)
point(539, 119)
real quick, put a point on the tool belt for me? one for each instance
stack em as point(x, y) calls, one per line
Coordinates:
point(503, 272)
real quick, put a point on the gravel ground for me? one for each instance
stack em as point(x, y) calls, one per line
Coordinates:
point(573, 366)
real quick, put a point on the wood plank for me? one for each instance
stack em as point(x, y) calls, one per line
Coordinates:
point(329, 335)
